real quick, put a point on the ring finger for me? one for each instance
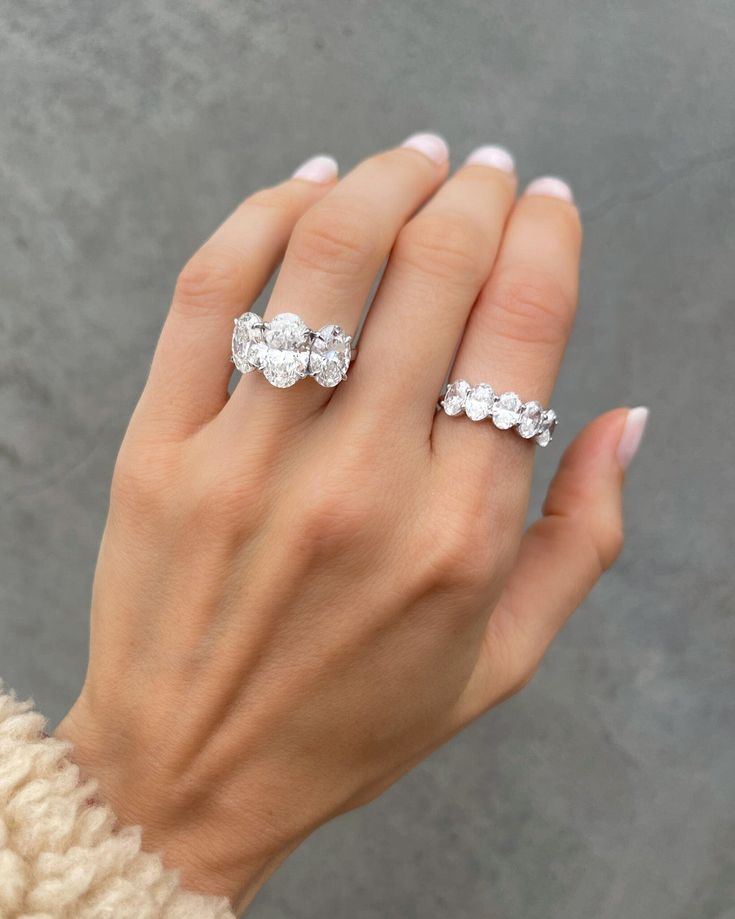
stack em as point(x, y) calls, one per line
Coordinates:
point(518, 329)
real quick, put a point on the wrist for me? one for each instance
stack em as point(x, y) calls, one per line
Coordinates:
point(175, 816)
point(59, 840)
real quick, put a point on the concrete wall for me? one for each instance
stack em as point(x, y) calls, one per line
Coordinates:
point(128, 130)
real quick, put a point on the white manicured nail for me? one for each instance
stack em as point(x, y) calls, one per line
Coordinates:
point(633, 431)
point(430, 145)
point(551, 187)
point(497, 157)
point(320, 169)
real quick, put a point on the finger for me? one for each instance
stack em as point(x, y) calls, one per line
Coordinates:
point(190, 372)
point(440, 261)
point(561, 557)
point(519, 327)
point(338, 248)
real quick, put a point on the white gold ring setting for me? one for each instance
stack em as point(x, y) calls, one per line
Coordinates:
point(505, 410)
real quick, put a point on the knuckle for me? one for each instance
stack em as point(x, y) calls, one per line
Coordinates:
point(210, 278)
point(458, 557)
point(526, 306)
point(334, 515)
point(444, 245)
point(333, 240)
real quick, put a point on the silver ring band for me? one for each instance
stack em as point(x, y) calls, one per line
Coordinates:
point(285, 350)
point(506, 410)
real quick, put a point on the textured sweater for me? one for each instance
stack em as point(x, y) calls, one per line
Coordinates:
point(62, 855)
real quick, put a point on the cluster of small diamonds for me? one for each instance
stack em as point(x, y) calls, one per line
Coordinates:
point(505, 410)
point(286, 350)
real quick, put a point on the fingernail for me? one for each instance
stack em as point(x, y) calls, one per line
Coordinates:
point(430, 145)
point(321, 169)
point(498, 157)
point(633, 431)
point(551, 187)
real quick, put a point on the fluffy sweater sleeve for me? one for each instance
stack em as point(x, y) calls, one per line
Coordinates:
point(62, 856)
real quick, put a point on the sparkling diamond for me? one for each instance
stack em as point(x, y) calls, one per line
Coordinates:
point(479, 402)
point(286, 331)
point(455, 397)
point(546, 430)
point(507, 411)
point(530, 422)
point(248, 347)
point(331, 351)
point(287, 358)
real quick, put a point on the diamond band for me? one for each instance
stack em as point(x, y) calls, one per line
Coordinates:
point(505, 410)
point(285, 350)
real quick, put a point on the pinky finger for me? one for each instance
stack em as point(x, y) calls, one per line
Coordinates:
point(561, 557)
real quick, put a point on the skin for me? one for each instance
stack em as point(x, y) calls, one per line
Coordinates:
point(301, 593)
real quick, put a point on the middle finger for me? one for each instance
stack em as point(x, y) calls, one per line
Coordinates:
point(439, 264)
point(338, 247)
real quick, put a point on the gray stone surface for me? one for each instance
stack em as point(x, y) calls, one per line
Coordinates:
point(128, 130)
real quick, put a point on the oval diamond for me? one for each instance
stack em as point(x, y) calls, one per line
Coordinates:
point(287, 358)
point(547, 428)
point(507, 411)
point(248, 347)
point(331, 352)
point(286, 332)
point(479, 402)
point(530, 422)
point(284, 368)
point(455, 397)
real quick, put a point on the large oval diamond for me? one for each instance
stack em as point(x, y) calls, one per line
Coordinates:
point(479, 402)
point(507, 411)
point(455, 397)
point(530, 422)
point(248, 347)
point(288, 342)
point(331, 352)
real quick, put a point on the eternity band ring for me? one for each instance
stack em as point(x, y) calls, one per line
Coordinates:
point(505, 410)
point(285, 350)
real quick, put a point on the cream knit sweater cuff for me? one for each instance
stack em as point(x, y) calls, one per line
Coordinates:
point(62, 857)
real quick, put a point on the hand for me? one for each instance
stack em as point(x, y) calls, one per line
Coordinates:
point(301, 592)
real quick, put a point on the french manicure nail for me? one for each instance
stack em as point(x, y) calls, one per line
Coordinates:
point(431, 145)
point(633, 431)
point(497, 157)
point(320, 169)
point(551, 187)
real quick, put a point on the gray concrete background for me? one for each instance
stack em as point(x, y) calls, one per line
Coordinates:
point(128, 130)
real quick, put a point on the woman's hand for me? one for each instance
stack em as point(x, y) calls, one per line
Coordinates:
point(302, 592)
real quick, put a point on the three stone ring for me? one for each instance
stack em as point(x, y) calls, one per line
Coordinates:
point(285, 350)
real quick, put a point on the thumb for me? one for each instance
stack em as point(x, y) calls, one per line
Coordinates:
point(562, 555)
